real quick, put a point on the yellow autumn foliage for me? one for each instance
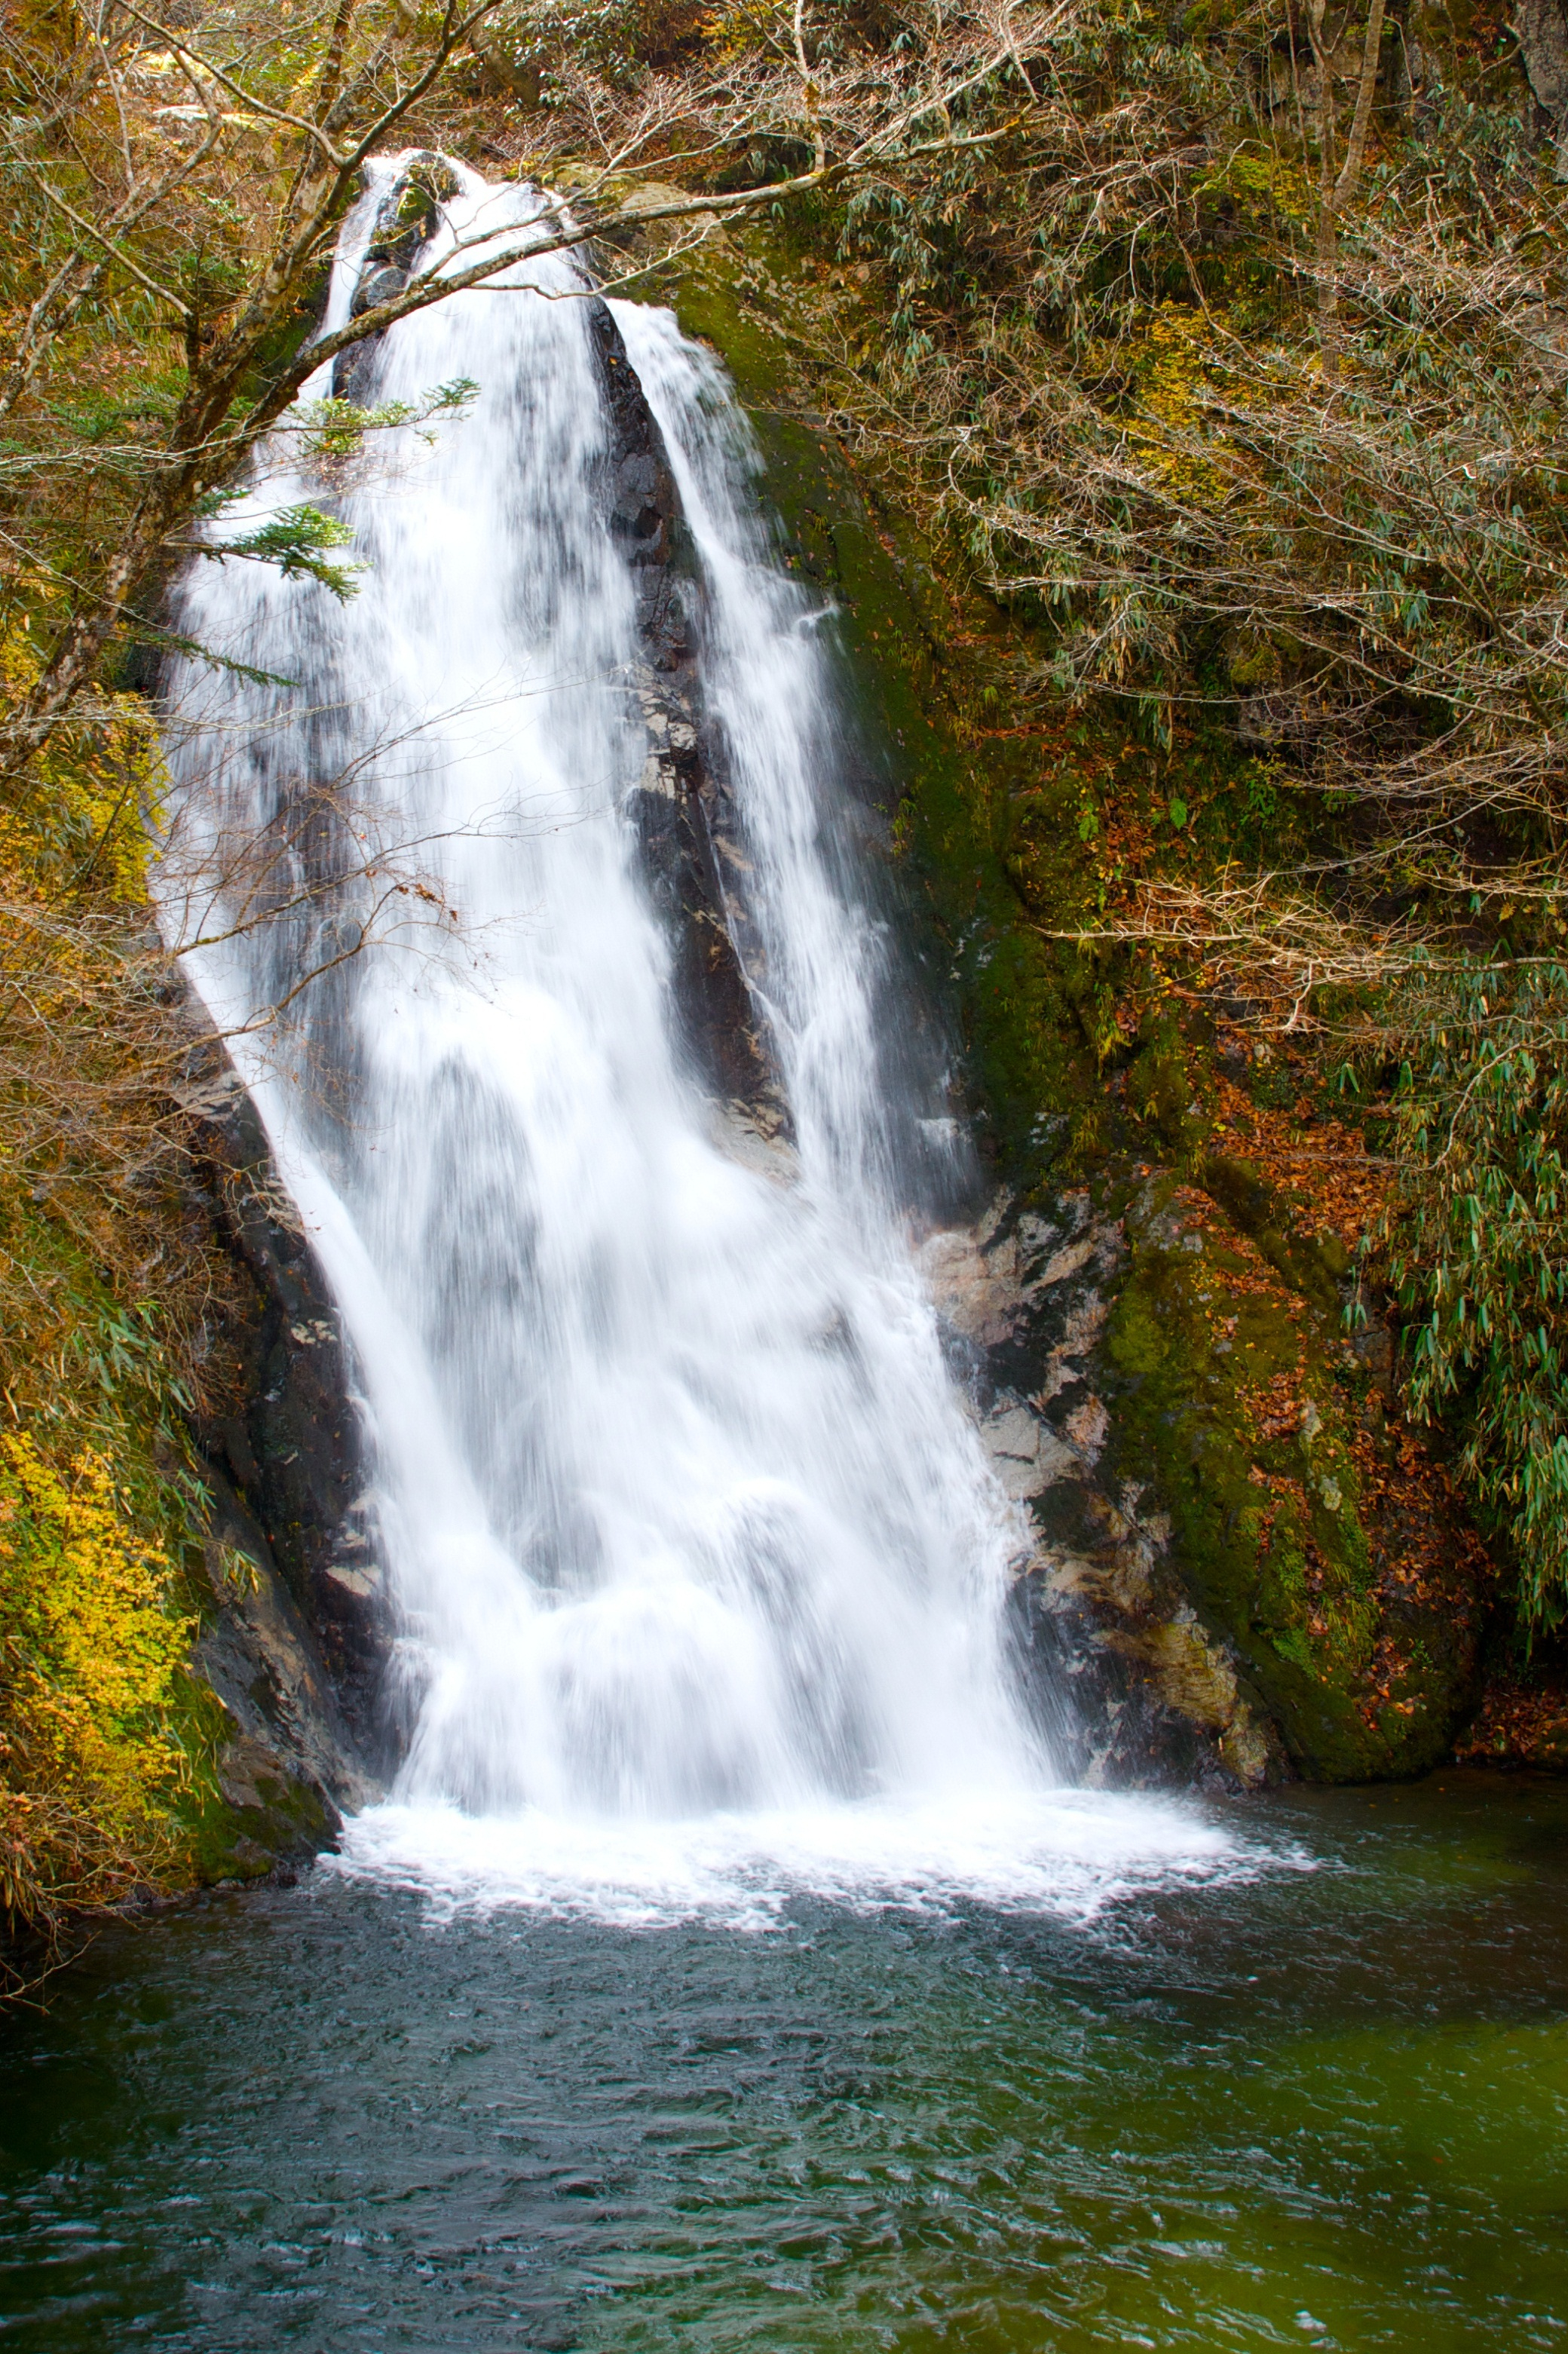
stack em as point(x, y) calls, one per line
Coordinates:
point(96, 787)
point(85, 1046)
point(92, 1640)
point(1171, 429)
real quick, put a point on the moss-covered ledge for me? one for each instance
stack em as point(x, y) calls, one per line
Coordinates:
point(1228, 1378)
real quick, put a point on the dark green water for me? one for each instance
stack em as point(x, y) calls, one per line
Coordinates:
point(1329, 2108)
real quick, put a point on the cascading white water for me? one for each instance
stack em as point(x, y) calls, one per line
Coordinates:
point(682, 1517)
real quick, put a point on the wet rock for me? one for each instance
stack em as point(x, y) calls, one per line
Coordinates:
point(290, 1447)
point(755, 1142)
point(1026, 1455)
point(287, 1765)
point(1133, 1687)
point(379, 286)
point(407, 218)
point(688, 832)
point(1230, 1572)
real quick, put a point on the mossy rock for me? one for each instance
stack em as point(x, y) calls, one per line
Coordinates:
point(256, 1818)
point(246, 1813)
point(1314, 1265)
point(1230, 1387)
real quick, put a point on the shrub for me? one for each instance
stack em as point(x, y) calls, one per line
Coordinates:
point(91, 1643)
point(1481, 1257)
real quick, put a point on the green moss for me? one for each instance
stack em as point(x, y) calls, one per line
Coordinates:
point(1313, 1266)
point(1229, 1396)
point(286, 1824)
point(1164, 1087)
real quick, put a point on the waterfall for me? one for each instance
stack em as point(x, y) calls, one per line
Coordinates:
point(692, 1549)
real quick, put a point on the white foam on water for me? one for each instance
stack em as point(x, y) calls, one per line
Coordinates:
point(1068, 1854)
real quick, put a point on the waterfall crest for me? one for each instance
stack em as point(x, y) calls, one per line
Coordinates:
point(681, 1517)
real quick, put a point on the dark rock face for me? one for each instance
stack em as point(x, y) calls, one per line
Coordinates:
point(292, 1454)
point(291, 1766)
point(377, 286)
point(406, 220)
point(682, 805)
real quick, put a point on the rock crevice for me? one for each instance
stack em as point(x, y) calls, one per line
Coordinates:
point(689, 837)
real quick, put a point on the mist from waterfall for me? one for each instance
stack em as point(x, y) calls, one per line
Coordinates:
point(698, 1565)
